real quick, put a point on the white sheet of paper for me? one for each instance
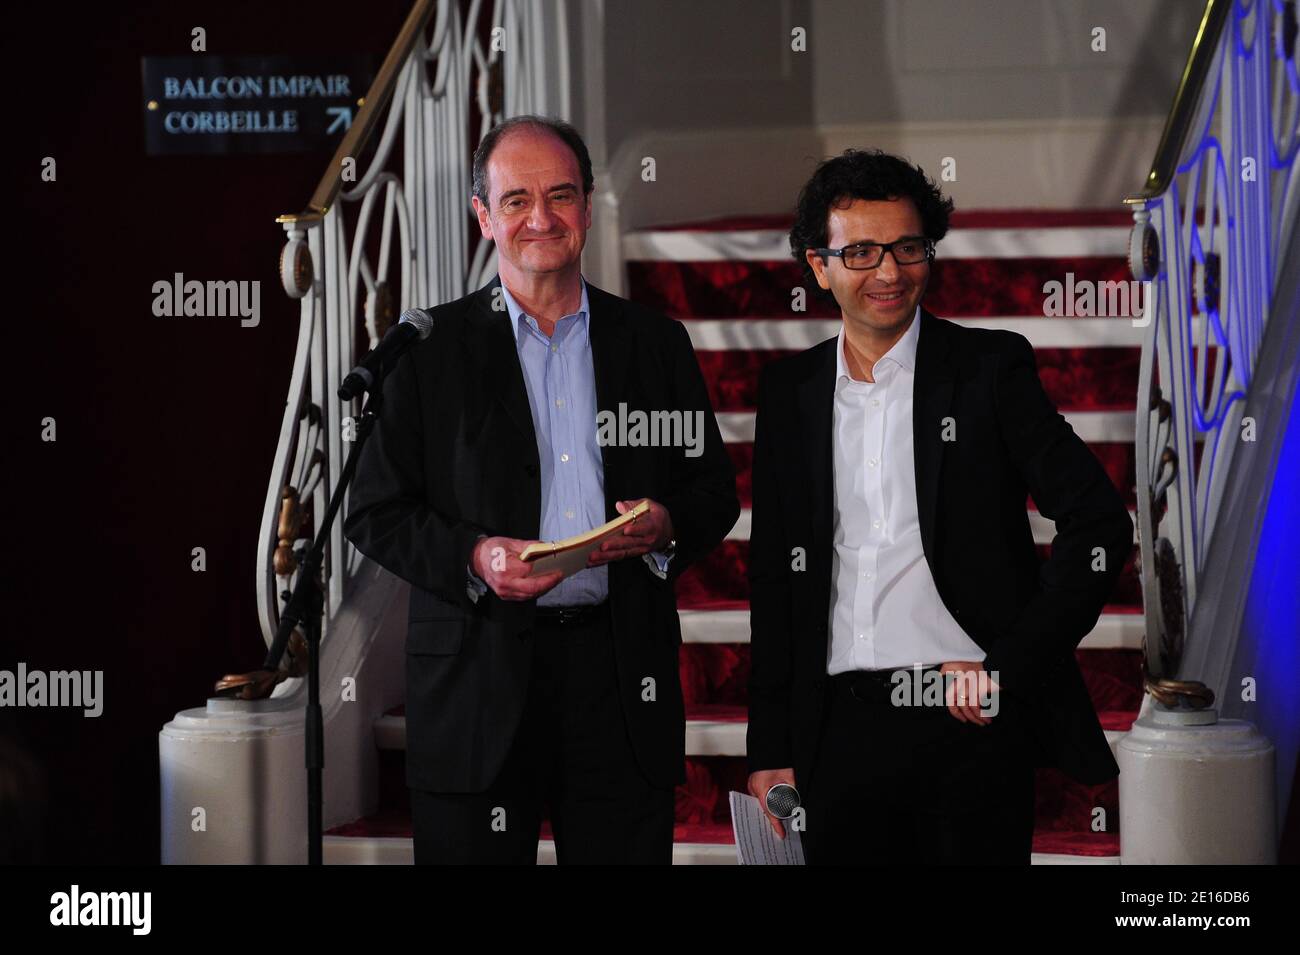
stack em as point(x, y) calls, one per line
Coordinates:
point(570, 561)
point(756, 843)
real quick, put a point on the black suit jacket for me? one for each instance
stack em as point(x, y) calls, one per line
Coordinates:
point(1028, 616)
point(454, 455)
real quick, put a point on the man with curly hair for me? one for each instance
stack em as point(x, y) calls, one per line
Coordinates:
point(913, 659)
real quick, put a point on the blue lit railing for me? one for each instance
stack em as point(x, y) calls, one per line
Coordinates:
point(1220, 203)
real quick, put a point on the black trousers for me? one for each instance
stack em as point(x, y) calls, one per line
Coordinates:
point(571, 755)
point(906, 785)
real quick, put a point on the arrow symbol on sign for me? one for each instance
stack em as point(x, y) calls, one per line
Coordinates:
point(342, 117)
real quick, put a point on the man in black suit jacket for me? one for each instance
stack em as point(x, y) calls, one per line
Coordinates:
point(891, 468)
point(525, 693)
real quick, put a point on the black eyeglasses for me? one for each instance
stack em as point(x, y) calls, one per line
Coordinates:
point(908, 250)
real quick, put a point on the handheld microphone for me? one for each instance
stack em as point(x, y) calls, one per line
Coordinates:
point(782, 800)
point(415, 324)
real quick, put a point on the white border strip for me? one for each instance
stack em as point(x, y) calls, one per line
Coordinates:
point(773, 245)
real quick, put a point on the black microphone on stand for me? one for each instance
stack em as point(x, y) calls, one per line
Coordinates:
point(306, 606)
point(415, 324)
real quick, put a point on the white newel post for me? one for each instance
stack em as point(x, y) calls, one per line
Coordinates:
point(1194, 789)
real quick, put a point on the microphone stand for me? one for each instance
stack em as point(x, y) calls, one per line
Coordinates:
point(306, 607)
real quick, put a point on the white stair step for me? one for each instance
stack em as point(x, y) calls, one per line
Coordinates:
point(1055, 858)
point(798, 334)
point(1043, 529)
point(737, 427)
point(703, 737)
point(367, 850)
point(715, 737)
point(1114, 631)
point(727, 738)
point(773, 245)
point(390, 732)
point(684, 853)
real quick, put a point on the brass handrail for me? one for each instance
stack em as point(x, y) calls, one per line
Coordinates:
point(1186, 100)
point(359, 133)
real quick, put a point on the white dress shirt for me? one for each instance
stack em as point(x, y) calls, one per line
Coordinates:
point(885, 609)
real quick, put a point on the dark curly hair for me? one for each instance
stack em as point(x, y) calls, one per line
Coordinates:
point(862, 174)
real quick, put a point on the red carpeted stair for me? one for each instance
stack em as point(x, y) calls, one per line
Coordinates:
point(730, 282)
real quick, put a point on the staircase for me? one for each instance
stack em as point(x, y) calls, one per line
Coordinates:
point(730, 282)
point(1212, 246)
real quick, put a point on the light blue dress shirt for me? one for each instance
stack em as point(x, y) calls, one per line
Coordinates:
point(560, 377)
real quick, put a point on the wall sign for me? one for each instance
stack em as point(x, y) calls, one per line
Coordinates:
point(250, 104)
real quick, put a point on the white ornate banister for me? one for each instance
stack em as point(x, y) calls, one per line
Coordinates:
point(447, 61)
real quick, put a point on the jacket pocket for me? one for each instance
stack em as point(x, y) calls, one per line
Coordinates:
point(435, 637)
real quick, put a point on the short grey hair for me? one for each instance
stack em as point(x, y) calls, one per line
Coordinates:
point(557, 127)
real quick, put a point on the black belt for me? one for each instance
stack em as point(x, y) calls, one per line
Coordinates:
point(874, 685)
point(571, 616)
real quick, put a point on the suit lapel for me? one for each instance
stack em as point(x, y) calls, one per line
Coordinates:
point(932, 387)
point(611, 347)
point(817, 412)
point(493, 349)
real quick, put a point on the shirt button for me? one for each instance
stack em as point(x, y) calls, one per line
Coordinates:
point(555, 348)
point(872, 462)
point(875, 402)
point(559, 402)
point(564, 457)
point(569, 514)
point(875, 523)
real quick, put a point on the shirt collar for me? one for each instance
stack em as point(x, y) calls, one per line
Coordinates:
point(903, 352)
point(517, 312)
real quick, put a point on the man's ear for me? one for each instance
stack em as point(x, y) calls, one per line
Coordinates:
point(588, 226)
point(818, 266)
point(484, 220)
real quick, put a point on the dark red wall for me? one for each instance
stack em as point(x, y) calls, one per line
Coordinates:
point(166, 426)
